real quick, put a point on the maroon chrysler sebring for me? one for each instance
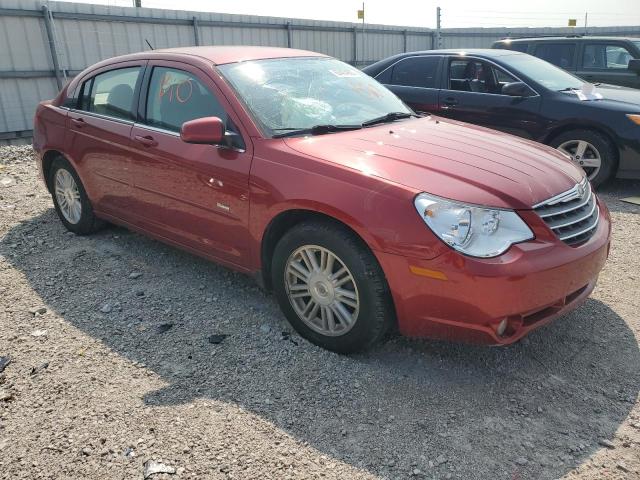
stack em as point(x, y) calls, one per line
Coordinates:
point(302, 171)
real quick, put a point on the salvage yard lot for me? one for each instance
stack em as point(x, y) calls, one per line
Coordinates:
point(124, 350)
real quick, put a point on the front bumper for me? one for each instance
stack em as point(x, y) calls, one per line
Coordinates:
point(456, 297)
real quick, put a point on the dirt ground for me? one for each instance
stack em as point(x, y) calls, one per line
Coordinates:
point(118, 359)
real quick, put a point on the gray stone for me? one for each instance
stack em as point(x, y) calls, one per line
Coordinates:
point(152, 467)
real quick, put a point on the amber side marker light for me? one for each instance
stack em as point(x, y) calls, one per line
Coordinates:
point(634, 118)
point(425, 272)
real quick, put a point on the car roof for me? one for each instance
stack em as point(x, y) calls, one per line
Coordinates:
point(487, 52)
point(569, 38)
point(220, 55)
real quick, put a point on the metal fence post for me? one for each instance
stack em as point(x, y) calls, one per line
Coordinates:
point(289, 35)
point(196, 33)
point(52, 45)
point(404, 34)
point(355, 46)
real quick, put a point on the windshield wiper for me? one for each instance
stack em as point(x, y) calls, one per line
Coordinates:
point(389, 117)
point(569, 89)
point(315, 130)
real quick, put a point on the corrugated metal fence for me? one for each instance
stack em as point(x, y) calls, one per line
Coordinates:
point(49, 43)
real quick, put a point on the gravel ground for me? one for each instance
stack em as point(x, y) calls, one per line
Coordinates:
point(125, 352)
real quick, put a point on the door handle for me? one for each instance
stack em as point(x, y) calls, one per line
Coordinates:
point(78, 122)
point(147, 140)
point(449, 102)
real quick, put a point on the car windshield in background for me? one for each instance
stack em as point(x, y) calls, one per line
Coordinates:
point(544, 73)
point(291, 94)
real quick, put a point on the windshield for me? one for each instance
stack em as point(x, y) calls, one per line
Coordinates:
point(544, 73)
point(301, 93)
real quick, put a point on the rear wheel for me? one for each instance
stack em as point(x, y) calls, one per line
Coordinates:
point(591, 151)
point(70, 199)
point(331, 288)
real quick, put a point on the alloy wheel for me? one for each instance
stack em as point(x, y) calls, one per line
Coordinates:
point(68, 196)
point(322, 290)
point(583, 154)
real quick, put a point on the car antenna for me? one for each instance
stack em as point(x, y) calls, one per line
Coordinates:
point(148, 43)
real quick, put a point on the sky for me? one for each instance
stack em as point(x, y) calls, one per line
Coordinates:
point(422, 13)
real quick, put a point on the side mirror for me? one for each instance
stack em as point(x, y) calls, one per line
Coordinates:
point(634, 65)
point(516, 89)
point(206, 130)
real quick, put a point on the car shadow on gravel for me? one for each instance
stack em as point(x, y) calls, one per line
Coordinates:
point(617, 189)
point(532, 410)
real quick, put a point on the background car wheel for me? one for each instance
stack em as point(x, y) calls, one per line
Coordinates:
point(70, 199)
point(331, 288)
point(590, 150)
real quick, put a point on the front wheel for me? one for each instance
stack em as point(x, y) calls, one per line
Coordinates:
point(331, 288)
point(591, 151)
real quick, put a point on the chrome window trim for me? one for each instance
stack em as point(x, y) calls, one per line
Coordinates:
point(103, 117)
point(144, 126)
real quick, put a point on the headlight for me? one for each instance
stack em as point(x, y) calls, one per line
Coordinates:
point(473, 230)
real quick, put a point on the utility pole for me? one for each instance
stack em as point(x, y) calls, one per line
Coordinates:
point(137, 3)
point(438, 34)
point(585, 22)
point(364, 57)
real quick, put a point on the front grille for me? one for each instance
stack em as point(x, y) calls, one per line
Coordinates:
point(572, 215)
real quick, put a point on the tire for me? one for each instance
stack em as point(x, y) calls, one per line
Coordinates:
point(597, 142)
point(86, 222)
point(374, 314)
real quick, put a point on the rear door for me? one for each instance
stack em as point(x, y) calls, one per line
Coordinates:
point(473, 93)
point(194, 195)
point(607, 62)
point(415, 81)
point(98, 139)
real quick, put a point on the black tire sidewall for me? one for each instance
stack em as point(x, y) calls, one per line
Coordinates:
point(87, 221)
point(601, 143)
point(374, 316)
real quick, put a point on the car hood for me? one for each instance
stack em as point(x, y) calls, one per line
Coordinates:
point(450, 159)
point(614, 96)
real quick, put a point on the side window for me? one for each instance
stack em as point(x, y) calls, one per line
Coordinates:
point(470, 75)
point(111, 93)
point(617, 57)
point(602, 56)
point(416, 72)
point(176, 96)
point(560, 54)
point(503, 77)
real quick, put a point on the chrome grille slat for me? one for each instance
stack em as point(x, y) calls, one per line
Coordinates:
point(592, 225)
point(568, 209)
point(575, 220)
point(573, 215)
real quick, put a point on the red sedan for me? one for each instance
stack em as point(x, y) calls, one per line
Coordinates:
point(304, 172)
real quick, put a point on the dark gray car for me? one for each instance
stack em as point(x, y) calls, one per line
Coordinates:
point(595, 59)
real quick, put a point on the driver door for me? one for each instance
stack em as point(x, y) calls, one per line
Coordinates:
point(473, 93)
point(194, 195)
